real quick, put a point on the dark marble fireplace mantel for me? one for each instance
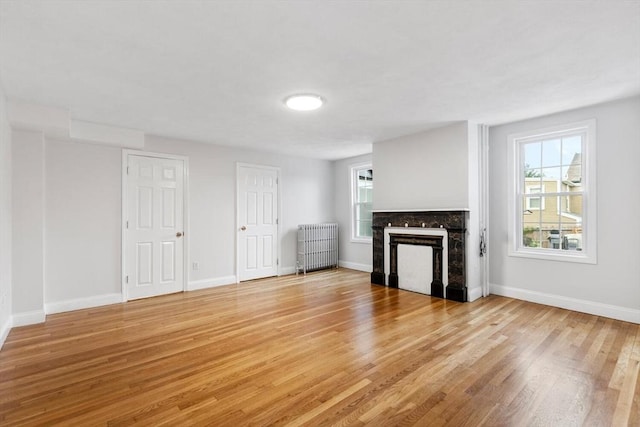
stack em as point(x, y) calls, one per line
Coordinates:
point(454, 221)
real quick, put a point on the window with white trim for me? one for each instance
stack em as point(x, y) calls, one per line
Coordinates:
point(553, 193)
point(534, 203)
point(361, 202)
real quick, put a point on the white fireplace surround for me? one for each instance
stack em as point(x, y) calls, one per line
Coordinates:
point(436, 232)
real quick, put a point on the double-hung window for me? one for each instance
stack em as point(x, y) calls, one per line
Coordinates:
point(552, 191)
point(362, 202)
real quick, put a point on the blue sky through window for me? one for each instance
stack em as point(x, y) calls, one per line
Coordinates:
point(551, 158)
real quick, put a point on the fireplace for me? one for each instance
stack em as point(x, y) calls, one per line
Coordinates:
point(453, 222)
point(431, 259)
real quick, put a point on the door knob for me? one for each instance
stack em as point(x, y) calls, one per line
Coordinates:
point(178, 234)
point(243, 228)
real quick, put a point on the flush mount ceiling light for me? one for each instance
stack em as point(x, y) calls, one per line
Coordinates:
point(304, 102)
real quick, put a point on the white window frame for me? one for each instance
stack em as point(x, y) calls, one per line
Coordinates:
point(589, 221)
point(528, 199)
point(353, 170)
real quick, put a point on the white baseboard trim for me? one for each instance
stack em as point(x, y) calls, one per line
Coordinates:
point(27, 318)
point(583, 306)
point(474, 293)
point(211, 283)
point(4, 330)
point(367, 268)
point(81, 303)
point(285, 271)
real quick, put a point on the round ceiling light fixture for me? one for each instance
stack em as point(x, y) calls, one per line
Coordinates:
point(304, 102)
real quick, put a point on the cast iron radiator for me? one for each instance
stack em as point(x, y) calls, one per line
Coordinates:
point(317, 247)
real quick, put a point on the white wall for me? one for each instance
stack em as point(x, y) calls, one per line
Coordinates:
point(66, 209)
point(472, 238)
point(612, 286)
point(356, 255)
point(5, 221)
point(28, 227)
point(83, 216)
point(305, 191)
point(423, 171)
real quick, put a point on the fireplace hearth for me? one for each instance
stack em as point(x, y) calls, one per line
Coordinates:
point(452, 221)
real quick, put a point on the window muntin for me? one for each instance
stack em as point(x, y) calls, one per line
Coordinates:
point(362, 202)
point(554, 202)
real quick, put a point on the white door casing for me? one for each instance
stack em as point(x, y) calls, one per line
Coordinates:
point(257, 226)
point(154, 225)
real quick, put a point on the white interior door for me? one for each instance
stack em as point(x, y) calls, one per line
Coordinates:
point(257, 222)
point(154, 227)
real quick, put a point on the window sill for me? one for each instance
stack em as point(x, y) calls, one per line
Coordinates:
point(572, 256)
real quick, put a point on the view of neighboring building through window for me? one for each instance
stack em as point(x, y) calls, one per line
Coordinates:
point(552, 217)
point(362, 201)
point(551, 193)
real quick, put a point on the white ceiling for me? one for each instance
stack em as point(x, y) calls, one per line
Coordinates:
point(218, 71)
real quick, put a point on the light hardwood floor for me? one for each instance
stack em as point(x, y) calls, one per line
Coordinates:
point(328, 348)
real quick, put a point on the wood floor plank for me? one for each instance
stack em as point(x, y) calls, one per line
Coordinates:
point(328, 348)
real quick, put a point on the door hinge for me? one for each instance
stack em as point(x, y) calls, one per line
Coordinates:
point(277, 261)
point(127, 224)
point(127, 170)
point(126, 279)
point(277, 221)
